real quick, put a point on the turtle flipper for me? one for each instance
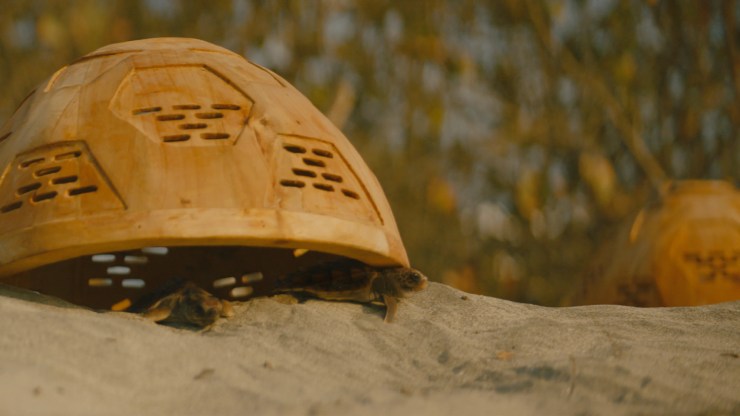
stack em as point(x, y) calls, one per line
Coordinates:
point(159, 311)
point(227, 310)
point(391, 307)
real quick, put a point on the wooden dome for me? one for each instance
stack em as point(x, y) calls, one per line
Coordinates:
point(680, 250)
point(170, 146)
point(697, 247)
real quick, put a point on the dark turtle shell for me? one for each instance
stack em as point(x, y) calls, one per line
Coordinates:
point(351, 280)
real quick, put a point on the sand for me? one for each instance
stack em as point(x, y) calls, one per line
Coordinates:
point(448, 353)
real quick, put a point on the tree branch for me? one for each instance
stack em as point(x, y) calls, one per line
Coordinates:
point(596, 87)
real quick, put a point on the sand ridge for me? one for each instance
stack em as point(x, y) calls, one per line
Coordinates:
point(448, 353)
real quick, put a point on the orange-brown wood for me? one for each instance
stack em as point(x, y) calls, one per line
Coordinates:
point(177, 142)
point(682, 250)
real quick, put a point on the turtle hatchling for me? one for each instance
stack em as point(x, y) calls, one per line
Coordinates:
point(187, 304)
point(355, 282)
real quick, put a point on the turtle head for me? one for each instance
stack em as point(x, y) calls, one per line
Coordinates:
point(199, 307)
point(401, 281)
point(411, 280)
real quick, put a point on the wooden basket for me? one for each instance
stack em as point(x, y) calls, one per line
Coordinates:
point(169, 157)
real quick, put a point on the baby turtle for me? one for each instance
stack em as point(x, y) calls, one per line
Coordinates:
point(186, 304)
point(356, 282)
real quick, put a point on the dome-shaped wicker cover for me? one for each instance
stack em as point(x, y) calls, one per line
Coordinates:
point(178, 142)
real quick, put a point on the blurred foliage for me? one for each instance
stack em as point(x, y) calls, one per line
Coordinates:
point(510, 136)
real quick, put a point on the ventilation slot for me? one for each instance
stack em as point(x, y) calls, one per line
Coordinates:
point(44, 197)
point(332, 177)
point(252, 277)
point(100, 282)
point(225, 281)
point(82, 190)
point(294, 149)
point(30, 162)
point(170, 117)
point(146, 110)
point(64, 179)
point(293, 184)
point(157, 251)
point(225, 107)
point(136, 259)
point(28, 188)
point(119, 270)
point(324, 187)
point(322, 153)
point(241, 291)
point(103, 258)
point(11, 207)
point(186, 107)
point(304, 172)
point(68, 155)
point(176, 138)
point(47, 171)
point(133, 283)
point(214, 136)
point(208, 116)
point(193, 126)
point(350, 194)
point(314, 162)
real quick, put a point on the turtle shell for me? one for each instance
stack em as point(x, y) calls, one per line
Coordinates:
point(177, 143)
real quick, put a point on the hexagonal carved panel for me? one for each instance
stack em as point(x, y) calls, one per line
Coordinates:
point(313, 175)
point(185, 105)
point(51, 182)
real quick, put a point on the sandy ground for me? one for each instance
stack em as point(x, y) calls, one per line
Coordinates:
point(448, 353)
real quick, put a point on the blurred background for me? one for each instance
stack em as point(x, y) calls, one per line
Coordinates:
point(513, 138)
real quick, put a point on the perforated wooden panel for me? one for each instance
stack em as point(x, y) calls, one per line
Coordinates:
point(52, 182)
point(313, 175)
point(209, 111)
